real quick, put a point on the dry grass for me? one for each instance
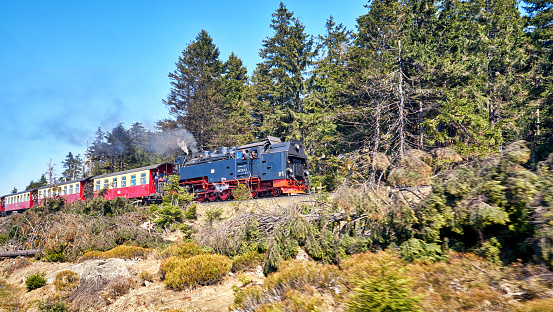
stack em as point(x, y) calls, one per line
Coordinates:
point(18, 263)
point(122, 252)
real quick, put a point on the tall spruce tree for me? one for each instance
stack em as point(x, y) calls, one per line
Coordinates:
point(540, 28)
point(482, 70)
point(376, 117)
point(280, 79)
point(73, 167)
point(195, 100)
point(236, 121)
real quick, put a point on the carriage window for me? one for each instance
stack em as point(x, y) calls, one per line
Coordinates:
point(49, 192)
point(114, 183)
point(77, 188)
point(71, 189)
point(98, 185)
point(106, 183)
point(123, 181)
point(133, 180)
point(65, 190)
point(143, 178)
point(39, 194)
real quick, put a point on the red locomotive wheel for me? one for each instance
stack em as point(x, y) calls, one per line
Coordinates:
point(212, 196)
point(200, 198)
point(275, 192)
point(224, 195)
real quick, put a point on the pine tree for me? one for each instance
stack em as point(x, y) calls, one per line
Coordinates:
point(328, 79)
point(540, 30)
point(235, 123)
point(195, 99)
point(41, 182)
point(279, 80)
point(73, 167)
point(378, 105)
point(482, 68)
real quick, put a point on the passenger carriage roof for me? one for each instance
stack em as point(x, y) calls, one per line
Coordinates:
point(63, 183)
point(18, 193)
point(134, 170)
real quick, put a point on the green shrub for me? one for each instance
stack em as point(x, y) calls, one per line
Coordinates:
point(56, 253)
point(35, 281)
point(247, 261)
point(66, 280)
point(169, 265)
point(387, 291)
point(190, 212)
point(197, 270)
point(213, 214)
point(490, 250)
point(416, 249)
point(56, 306)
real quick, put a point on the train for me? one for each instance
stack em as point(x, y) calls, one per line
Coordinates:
point(268, 168)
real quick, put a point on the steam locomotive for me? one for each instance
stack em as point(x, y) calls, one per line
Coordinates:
point(267, 168)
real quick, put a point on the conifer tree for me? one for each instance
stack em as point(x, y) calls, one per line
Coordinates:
point(235, 123)
point(482, 68)
point(376, 115)
point(279, 80)
point(195, 99)
point(73, 167)
point(540, 21)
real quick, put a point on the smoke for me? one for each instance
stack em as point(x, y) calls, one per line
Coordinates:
point(173, 142)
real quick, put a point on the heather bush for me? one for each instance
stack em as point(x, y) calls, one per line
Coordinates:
point(247, 261)
point(203, 269)
point(66, 280)
point(182, 250)
point(123, 252)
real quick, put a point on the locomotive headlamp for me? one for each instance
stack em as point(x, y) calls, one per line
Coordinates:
point(289, 170)
point(306, 172)
point(297, 147)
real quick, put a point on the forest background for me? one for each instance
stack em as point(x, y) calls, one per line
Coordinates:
point(472, 76)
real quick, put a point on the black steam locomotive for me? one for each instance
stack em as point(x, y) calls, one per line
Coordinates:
point(269, 167)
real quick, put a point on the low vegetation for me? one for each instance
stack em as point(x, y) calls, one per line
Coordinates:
point(35, 281)
point(204, 269)
point(479, 238)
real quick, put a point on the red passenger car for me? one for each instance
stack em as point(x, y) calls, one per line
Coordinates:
point(70, 191)
point(134, 183)
point(18, 201)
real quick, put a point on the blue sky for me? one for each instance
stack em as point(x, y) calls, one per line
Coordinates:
point(69, 67)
